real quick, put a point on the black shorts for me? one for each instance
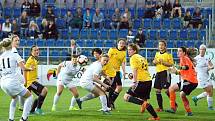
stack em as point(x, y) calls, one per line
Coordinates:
point(36, 87)
point(141, 90)
point(188, 87)
point(162, 80)
point(117, 80)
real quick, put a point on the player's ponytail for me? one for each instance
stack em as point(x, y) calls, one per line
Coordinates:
point(192, 53)
point(5, 44)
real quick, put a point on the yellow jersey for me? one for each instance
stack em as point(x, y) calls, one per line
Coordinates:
point(117, 57)
point(31, 76)
point(166, 57)
point(140, 63)
point(109, 70)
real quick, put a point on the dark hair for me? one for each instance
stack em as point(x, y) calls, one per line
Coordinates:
point(184, 49)
point(122, 39)
point(31, 49)
point(163, 41)
point(74, 56)
point(190, 52)
point(135, 47)
point(98, 50)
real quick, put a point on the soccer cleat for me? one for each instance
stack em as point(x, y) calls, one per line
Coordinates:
point(79, 103)
point(20, 108)
point(10, 120)
point(53, 108)
point(109, 109)
point(39, 111)
point(72, 108)
point(106, 112)
point(195, 99)
point(211, 108)
point(171, 110)
point(153, 118)
point(22, 119)
point(112, 106)
point(189, 114)
point(143, 107)
point(159, 110)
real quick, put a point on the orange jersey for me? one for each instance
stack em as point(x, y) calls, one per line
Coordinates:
point(190, 74)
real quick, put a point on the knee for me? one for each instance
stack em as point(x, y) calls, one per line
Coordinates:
point(59, 93)
point(76, 95)
point(182, 94)
point(119, 89)
point(158, 91)
point(126, 97)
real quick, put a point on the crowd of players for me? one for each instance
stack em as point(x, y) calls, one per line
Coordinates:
point(19, 78)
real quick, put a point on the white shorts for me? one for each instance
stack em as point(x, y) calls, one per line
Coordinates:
point(204, 84)
point(13, 88)
point(21, 78)
point(89, 86)
point(67, 84)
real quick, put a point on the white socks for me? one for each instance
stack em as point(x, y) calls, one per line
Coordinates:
point(73, 101)
point(210, 101)
point(103, 100)
point(12, 108)
point(56, 98)
point(87, 97)
point(27, 107)
point(21, 101)
point(202, 95)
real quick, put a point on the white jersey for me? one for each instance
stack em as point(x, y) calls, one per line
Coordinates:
point(21, 78)
point(94, 69)
point(68, 71)
point(202, 68)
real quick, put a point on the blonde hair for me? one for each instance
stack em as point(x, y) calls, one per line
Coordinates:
point(72, 41)
point(5, 44)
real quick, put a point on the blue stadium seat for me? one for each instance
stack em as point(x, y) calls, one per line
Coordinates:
point(40, 43)
point(75, 33)
point(166, 23)
point(30, 42)
point(64, 52)
point(84, 34)
point(132, 11)
point(183, 34)
point(174, 53)
point(90, 43)
point(110, 12)
point(140, 12)
point(64, 33)
point(50, 42)
point(149, 54)
point(191, 9)
point(99, 43)
point(57, 12)
point(61, 23)
point(22, 42)
point(176, 23)
point(103, 11)
point(157, 23)
point(202, 35)
point(173, 34)
point(104, 34)
point(170, 44)
point(123, 33)
point(163, 34)
point(193, 34)
point(153, 34)
point(55, 53)
point(205, 23)
point(43, 52)
point(107, 23)
point(143, 53)
point(43, 11)
point(59, 43)
point(80, 42)
point(63, 12)
point(180, 43)
point(150, 43)
point(67, 43)
point(113, 34)
point(26, 52)
point(137, 23)
point(190, 43)
point(198, 43)
point(94, 34)
point(208, 12)
point(16, 12)
point(7, 12)
point(73, 10)
point(39, 21)
point(2, 20)
point(110, 43)
point(147, 23)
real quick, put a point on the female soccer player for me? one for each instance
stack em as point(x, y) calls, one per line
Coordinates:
point(66, 72)
point(10, 82)
point(163, 60)
point(189, 81)
point(139, 93)
point(203, 66)
point(32, 81)
point(117, 57)
point(15, 45)
point(88, 80)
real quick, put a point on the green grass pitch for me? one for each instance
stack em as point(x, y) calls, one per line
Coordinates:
point(124, 111)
